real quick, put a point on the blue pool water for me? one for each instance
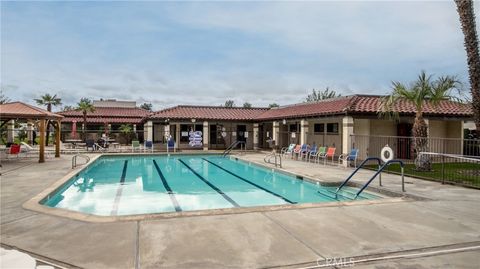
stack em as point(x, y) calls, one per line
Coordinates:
point(128, 185)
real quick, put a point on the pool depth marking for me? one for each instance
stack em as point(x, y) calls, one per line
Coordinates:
point(250, 182)
point(167, 187)
point(119, 190)
point(211, 185)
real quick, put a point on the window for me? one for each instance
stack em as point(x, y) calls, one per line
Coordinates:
point(293, 128)
point(332, 128)
point(319, 128)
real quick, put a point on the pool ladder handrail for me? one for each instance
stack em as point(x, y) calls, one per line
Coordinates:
point(232, 146)
point(377, 173)
point(275, 155)
point(74, 159)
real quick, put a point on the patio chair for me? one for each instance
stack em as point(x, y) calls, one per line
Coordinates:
point(148, 145)
point(320, 152)
point(330, 154)
point(287, 150)
point(298, 151)
point(346, 158)
point(135, 145)
point(170, 145)
point(90, 143)
point(312, 150)
point(14, 150)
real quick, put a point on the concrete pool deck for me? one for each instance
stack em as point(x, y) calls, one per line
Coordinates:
point(440, 231)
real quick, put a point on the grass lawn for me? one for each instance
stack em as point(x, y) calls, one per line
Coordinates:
point(462, 173)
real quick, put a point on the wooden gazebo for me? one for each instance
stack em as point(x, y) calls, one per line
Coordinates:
point(22, 111)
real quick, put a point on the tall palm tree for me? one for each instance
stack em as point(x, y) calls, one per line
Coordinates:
point(85, 106)
point(48, 101)
point(420, 92)
point(467, 20)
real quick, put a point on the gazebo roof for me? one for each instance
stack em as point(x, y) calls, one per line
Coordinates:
point(19, 110)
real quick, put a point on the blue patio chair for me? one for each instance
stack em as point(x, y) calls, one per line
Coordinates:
point(287, 150)
point(346, 158)
point(171, 145)
point(148, 145)
point(310, 152)
point(90, 143)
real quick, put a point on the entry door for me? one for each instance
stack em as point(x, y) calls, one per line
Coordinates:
point(404, 143)
point(241, 129)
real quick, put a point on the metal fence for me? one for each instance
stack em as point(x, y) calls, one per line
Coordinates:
point(455, 161)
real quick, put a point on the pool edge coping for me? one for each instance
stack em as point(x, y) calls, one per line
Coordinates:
point(34, 204)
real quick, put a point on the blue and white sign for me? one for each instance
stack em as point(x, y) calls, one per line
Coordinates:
point(195, 139)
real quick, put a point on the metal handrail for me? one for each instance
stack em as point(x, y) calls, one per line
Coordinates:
point(356, 170)
point(74, 159)
point(273, 155)
point(234, 144)
point(379, 171)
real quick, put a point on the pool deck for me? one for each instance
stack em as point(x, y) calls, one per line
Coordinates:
point(440, 231)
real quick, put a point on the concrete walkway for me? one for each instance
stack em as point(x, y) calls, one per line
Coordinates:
point(442, 231)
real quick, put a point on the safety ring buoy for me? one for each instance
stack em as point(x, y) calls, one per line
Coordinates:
point(386, 154)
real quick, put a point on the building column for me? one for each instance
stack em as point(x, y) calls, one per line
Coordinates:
point(135, 131)
point(177, 135)
point(41, 157)
point(255, 136)
point(30, 133)
point(303, 131)
point(347, 132)
point(57, 139)
point(11, 131)
point(205, 135)
point(276, 132)
point(148, 131)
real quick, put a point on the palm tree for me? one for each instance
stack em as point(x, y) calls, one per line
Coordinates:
point(420, 92)
point(49, 101)
point(85, 106)
point(467, 20)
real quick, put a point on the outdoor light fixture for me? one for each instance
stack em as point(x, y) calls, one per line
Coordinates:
point(284, 121)
point(194, 120)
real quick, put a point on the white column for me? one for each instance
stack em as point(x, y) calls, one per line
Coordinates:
point(134, 130)
point(255, 136)
point(148, 131)
point(347, 131)
point(303, 131)
point(206, 136)
point(11, 131)
point(30, 133)
point(276, 130)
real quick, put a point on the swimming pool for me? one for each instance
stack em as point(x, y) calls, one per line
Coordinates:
point(145, 184)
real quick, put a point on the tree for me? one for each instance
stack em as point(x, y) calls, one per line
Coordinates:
point(229, 103)
point(147, 106)
point(67, 108)
point(48, 101)
point(467, 20)
point(273, 105)
point(85, 106)
point(321, 95)
point(4, 99)
point(126, 130)
point(420, 92)
point(247, 105)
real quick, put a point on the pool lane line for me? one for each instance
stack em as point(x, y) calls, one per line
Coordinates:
point(167, 187)
point(211, 185)
point(119, 190)
point(250, 182)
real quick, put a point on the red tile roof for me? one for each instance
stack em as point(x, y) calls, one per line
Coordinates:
point(208, 113)
point(19, 110)
point(362, 104)
point(333, 106)
point(108, 114)
point(370, 104)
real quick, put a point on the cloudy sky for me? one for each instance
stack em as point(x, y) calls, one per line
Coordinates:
point(170, 53)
